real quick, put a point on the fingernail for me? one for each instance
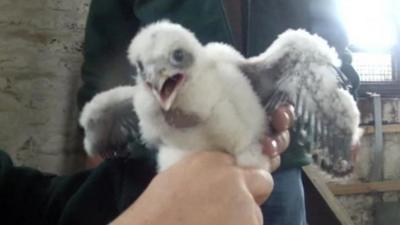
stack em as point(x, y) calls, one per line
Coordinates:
point(289, 119)
point(270, 147)
point(274, 144)
point(291, 115)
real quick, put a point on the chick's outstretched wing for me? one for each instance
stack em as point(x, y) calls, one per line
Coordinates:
point(110, 124)
point(301, 68)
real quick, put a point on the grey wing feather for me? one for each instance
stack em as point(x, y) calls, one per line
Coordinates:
point(111, 124)
point(300, 68)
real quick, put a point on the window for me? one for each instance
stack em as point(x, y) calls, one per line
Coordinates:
point(373, 67)
point(373, 28)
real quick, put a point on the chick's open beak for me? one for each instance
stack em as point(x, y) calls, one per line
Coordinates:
point(165, 88)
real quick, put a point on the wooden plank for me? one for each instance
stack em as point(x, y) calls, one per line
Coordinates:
point(364, 188)
point(328, 196)
point(388, 128)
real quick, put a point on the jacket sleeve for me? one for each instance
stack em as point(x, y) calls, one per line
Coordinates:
point(28, 196)
point(110, 26)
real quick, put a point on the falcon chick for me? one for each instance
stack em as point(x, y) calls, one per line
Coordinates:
point(190, 98)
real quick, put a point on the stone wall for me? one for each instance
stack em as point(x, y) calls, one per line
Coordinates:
point(361, 207)
point(40, 58)
point(391, 141)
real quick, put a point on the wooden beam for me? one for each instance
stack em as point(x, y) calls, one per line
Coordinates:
point(340, 213)
point(364, 188)
point(388, 128)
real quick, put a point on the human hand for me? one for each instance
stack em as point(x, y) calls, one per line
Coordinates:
point(278, 141)
point(203, 188)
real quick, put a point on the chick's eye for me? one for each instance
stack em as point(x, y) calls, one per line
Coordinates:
point(178, 56)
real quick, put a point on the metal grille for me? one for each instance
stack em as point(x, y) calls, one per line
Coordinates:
point(373, 67)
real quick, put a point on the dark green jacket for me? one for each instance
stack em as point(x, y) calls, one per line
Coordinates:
point(29, 197)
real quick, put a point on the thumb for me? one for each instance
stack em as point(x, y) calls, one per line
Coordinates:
point(259, 183)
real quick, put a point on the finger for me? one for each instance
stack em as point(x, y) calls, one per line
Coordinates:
point(259, 215)
point(259, 183)
point(271, 163)
point(282, 118)
point(270, 146)
point(282, 141)
point(274, 163)
point(211, 158)
point(220, 156)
